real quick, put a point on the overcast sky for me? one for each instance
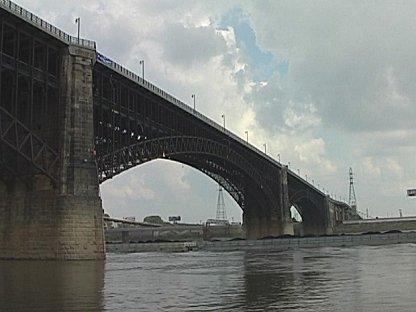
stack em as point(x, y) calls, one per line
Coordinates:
point(328, 85)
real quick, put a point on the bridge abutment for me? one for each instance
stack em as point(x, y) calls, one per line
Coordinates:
point(63, 220)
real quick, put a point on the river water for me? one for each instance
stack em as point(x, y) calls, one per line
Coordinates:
point(363, 278)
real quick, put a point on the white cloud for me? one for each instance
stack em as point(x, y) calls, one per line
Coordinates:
point(132, 188)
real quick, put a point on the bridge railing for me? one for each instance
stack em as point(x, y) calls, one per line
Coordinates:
point(43, 25)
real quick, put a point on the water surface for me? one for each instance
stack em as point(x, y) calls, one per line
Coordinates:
point(363, 278)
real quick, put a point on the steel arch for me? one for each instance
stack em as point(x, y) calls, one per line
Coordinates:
point(112, 164)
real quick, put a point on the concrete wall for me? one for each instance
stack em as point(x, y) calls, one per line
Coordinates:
point(145, 234)
point(375, 227)
point(309, 242)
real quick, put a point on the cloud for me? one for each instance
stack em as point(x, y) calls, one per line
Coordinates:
point(185, 46)
point(352, 58)
point(133, 188)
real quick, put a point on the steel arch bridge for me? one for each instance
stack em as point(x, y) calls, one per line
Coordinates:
point(71, 118)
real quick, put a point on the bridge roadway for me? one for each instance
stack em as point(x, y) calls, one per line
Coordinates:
point(71, 118)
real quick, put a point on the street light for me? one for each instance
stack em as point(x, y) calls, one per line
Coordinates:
point(288, 164)
point(142, 65)
point(246, 132)
point(278, 157)
point(298, 172)
point(265, 148)
point(223, 118)
point(193, 96)
point(78, 22)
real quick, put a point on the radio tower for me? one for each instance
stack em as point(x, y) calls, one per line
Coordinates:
point(352, 202)
point(221, 213)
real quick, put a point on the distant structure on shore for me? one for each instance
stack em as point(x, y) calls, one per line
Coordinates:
point(352, 201)
point(221, 212)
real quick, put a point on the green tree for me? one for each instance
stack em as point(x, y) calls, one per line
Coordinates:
point(153, 219)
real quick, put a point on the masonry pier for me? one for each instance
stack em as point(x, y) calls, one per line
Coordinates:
point(62, 219)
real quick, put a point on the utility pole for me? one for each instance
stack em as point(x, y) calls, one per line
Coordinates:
point(141, 62)
point(352, 201)
point(78, 22)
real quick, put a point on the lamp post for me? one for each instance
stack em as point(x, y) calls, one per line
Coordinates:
point(288, 164)
point(246, 132)
point(265, 148)
point(78, 22)
point(223, 118)
point(298, 172)
point(278, 157)
point(193, 96)
point(142, 65)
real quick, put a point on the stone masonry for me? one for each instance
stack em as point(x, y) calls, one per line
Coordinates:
point(39, 220)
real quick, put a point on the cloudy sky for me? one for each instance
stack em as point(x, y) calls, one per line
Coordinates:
point(327, 85)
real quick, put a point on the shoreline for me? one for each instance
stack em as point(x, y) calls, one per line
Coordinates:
point(346, 240)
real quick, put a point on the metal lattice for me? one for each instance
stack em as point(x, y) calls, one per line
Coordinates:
point(352, 200)
point(221, 212)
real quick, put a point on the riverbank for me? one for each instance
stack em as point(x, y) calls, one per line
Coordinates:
point(268, 244)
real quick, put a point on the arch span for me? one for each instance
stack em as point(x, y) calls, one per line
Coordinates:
point(216, 159)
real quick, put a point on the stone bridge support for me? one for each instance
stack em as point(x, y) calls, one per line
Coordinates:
point(42, 220)
point(259, 222)
point(319, 224)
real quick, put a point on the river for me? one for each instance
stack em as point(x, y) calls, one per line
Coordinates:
point(363, 278)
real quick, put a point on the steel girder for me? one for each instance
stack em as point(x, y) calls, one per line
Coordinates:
point(231, 180)
point(28, 145)
point(29, 76)
point(111, 164)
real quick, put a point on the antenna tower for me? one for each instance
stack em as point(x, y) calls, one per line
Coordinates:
point(352, 202)
point(221, 213)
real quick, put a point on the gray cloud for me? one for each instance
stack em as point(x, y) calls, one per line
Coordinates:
point(353, 59)
point(186, 46)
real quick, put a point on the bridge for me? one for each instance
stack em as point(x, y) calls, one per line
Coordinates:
point(71, 118)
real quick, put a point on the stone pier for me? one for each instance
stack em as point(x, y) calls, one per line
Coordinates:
point(259, 223)
point(63, 220)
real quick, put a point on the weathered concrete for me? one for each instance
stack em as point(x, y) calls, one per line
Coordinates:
point(376, 225)
point(39, 220)
point(146, 234)
point(152, 247)
point(268, 244)
point(309, 242)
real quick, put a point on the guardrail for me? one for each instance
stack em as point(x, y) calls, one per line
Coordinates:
point(45, 26)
